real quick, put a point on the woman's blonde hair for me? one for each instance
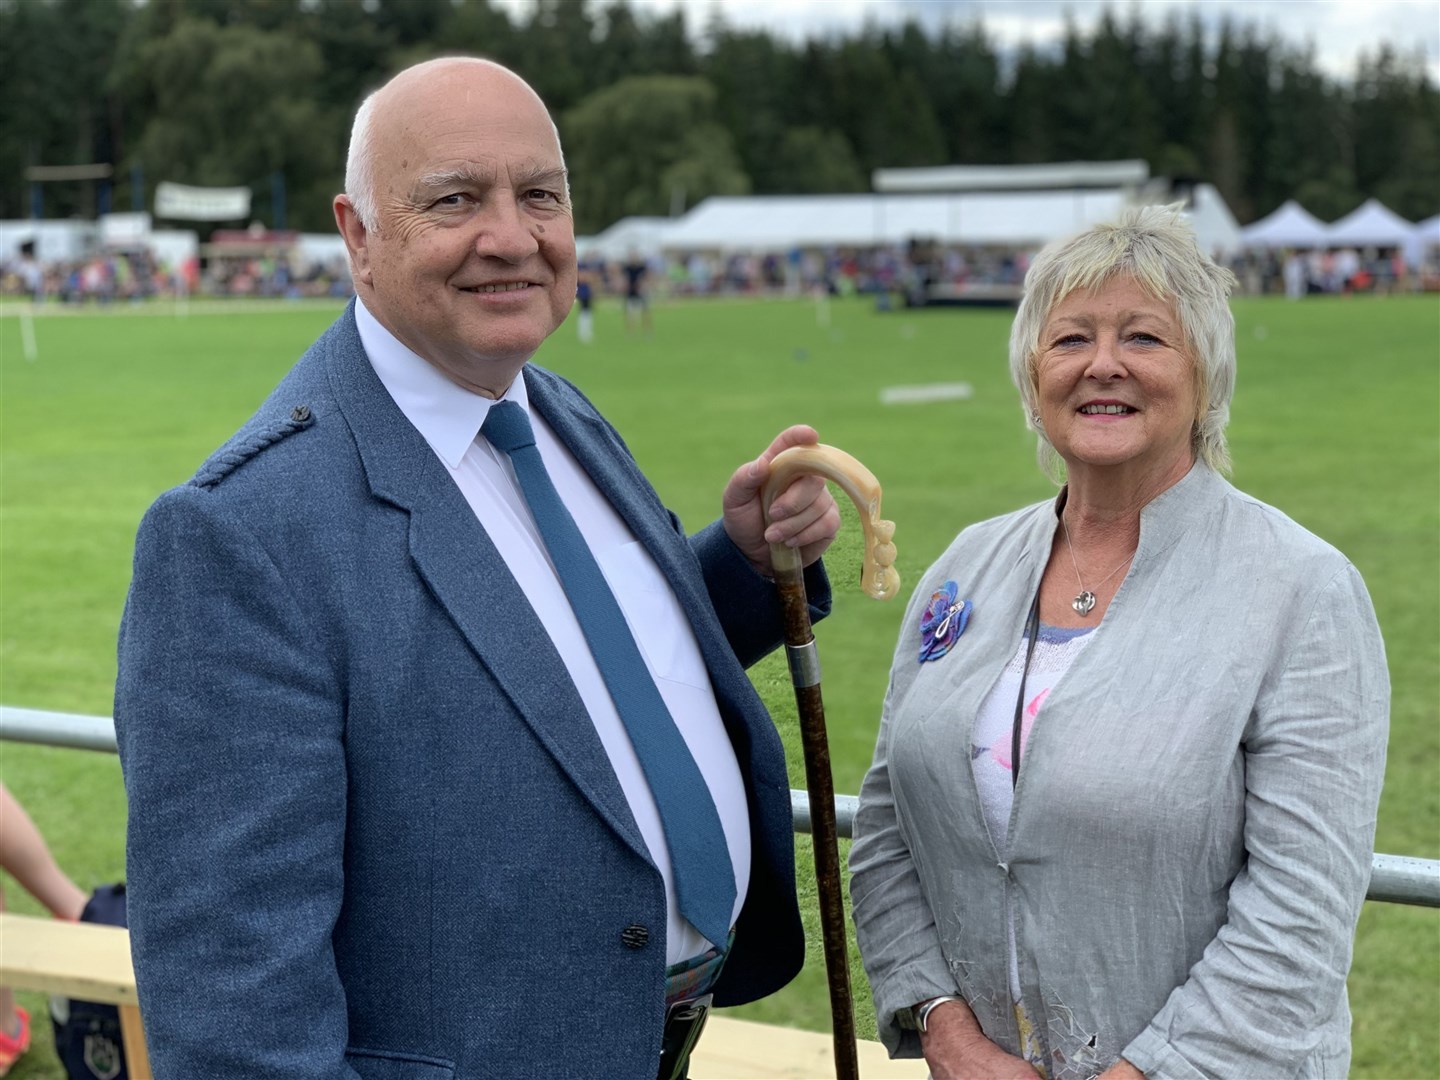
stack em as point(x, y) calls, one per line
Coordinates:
point(1154, 245)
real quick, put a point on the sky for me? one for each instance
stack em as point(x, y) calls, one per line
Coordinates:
point(1338, 29)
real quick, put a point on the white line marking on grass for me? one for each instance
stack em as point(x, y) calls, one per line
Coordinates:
point(911, 395)
point(27, 335)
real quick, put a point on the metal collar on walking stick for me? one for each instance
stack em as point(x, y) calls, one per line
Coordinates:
point(878, 578)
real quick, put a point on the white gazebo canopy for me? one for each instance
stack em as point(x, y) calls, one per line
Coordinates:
point(1424, 238)
point(643, 236)
point(1371, 224)
point(1291, 226)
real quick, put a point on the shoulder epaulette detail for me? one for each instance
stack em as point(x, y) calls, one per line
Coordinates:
point(230, 457)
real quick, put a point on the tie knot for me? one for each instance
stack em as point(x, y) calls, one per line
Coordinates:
point(507, 427)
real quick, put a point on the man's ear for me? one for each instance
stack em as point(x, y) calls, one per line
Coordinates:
point(356, 237)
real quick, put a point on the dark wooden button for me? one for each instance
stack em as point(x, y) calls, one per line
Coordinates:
point(635, 936)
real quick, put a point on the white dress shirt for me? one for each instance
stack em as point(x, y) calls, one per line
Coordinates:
point(449, 418)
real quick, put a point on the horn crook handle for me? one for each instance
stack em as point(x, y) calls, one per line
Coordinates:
point(879, 579)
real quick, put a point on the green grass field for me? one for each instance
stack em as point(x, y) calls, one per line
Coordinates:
point(1336, 421)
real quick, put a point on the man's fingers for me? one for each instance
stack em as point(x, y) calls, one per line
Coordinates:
point(746, 482)
point(799, 497)
point(796, 511)
point(794, 435)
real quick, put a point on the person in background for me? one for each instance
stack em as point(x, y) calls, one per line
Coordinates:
point(585, 298)
point(25, 856)
point(440, 753)
point(637, 302)
point(1122, 807)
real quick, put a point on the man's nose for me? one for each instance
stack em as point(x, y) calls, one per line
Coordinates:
point(505, 232)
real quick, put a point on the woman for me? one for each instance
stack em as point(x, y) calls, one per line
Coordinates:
point(1162, 876)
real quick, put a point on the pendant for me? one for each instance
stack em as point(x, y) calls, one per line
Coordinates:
point(1084, 603)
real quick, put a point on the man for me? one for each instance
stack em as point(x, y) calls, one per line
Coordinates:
point(637, 304)
point(388, 812)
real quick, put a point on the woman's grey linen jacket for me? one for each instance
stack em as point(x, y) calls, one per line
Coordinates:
point(1191, 836)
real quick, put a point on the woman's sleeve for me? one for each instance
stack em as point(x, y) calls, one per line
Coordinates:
point(894, 926)
point(1256, 1002)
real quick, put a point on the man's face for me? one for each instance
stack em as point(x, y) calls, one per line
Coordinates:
point(471, 261)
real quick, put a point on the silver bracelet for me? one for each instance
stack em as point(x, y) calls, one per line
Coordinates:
point(922, 1013)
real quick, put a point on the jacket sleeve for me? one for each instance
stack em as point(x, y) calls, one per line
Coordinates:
point(747, 604)
point(229, 722)
point(1314, 762)
point(894, 926)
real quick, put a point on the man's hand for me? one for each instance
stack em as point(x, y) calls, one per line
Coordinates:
point(803, 516)
point(956, 1049)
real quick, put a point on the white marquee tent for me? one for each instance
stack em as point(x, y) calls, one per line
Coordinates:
point(1003, 219)
point(780, 222)
point(1371, 224)
point(1291, 226)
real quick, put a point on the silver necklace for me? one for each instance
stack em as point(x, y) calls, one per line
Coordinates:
point(1084, 603)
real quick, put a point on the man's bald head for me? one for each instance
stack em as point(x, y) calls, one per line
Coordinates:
point(457, 219)
point(396, 100)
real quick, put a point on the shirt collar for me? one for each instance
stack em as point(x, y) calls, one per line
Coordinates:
point(447, 415)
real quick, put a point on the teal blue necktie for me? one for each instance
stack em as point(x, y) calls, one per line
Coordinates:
point(699, 857)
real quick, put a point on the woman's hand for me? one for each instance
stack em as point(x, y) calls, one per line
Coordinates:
point(956, 1049)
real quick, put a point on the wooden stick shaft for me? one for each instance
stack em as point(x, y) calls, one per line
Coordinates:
point(790, 581)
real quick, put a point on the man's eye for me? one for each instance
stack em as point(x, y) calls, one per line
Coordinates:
point(542, 195)
point(452, 200)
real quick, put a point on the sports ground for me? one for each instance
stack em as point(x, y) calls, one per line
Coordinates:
point(1336, 421)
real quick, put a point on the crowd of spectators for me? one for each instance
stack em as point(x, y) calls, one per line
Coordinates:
point(904, 270)
point(1297, 273)
point(117, 276)
point(277, 277)
point(100, 278)
point(905, 273)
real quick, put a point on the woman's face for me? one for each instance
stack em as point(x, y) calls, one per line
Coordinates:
point(1115, 383)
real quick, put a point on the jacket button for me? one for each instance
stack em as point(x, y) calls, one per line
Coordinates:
point(300, 413)
point(635, 936)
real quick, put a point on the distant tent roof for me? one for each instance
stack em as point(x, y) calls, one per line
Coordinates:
point(1371, 224)
point(1290, 226)
point(1423, 238)
point(1054, 175)
point(780, 222)
point(1216, 230)
point(628, 236)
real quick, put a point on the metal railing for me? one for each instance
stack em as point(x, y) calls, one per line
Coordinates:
point(1396, 879)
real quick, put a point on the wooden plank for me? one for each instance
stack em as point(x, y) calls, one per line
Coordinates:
point(137, 1054)
point(744, 1050)
point(79, 960)
point(91, 962)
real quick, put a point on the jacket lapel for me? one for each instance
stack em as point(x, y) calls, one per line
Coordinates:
point(469, 579)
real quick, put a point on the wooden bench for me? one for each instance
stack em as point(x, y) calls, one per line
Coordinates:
point(79, 960)
point(733, 1049)
point(92, 963)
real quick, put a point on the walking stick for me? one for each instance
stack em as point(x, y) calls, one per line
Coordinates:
point(878, 579)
